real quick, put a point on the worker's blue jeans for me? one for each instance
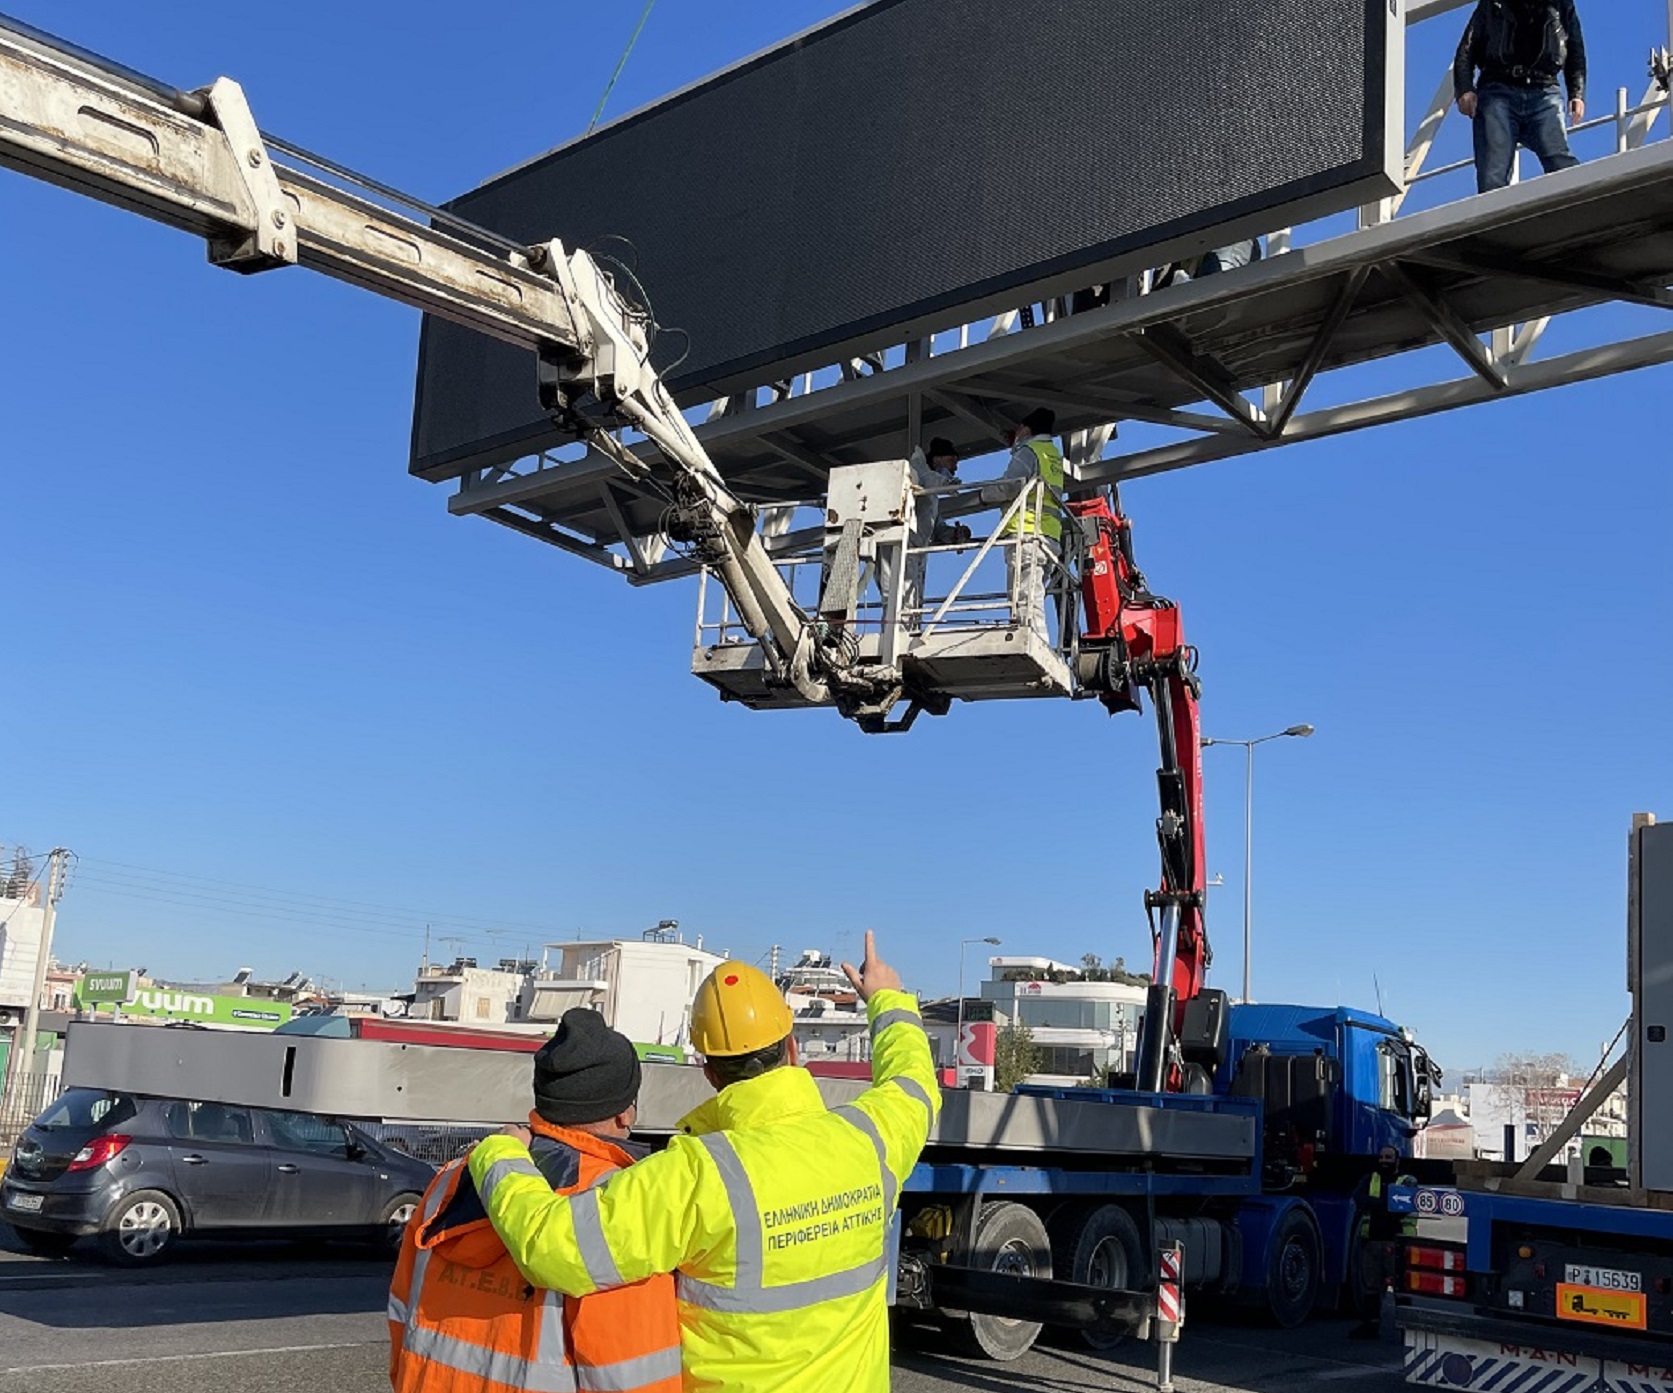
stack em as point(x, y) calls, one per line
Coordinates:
point(1510, 116)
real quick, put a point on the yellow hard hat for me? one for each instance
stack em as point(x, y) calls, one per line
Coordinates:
point(738, 1010)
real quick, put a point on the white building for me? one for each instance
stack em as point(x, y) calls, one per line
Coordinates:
point(22, 922)
point(469, 994)
point(643, 987)
point(1082, 1029)
point(830, 1019)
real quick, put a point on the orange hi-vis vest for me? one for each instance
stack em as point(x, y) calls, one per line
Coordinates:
point(463, 1320)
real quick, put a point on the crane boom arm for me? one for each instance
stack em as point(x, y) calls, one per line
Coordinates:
point(198, 161)
point(1134, 643)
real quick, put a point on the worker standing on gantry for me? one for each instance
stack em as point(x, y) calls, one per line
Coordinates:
point(1520, 48)
point(772, 1211)
point(1033, 531)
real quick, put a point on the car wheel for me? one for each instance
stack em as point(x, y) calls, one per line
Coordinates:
point(142, 1229)
point(396, 1215)
point(43, 1244)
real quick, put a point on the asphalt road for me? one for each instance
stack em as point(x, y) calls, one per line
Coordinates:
point(276, 1318)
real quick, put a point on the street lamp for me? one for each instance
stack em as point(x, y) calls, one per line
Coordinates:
point(1248, 822)
point(958, 1035)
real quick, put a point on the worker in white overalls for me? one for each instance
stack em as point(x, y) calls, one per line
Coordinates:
point(934, 466)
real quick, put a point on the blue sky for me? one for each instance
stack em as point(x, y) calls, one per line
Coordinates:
point(248, 649)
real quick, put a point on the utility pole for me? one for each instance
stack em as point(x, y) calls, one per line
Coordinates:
point(772, 970)
point(23, 1044)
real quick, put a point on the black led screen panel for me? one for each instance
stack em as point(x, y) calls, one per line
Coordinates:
point(914, 163)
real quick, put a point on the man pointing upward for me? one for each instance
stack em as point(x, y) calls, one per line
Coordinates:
point(771, 1210)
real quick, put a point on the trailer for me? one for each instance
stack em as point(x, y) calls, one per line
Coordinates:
point(1540, 1279)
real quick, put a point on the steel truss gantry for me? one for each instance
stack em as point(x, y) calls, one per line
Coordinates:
point(1228, 364)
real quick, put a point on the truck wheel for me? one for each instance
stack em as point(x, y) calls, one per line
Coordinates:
point(1009, 1238)
point(1293, 1270)
point(1098, 1247)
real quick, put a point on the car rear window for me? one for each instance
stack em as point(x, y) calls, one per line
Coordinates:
point(86, 1109)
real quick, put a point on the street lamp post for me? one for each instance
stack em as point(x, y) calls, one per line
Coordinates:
point(958, 1034)
point(1248, 826)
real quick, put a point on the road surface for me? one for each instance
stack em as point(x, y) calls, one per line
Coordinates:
point(276, 1318)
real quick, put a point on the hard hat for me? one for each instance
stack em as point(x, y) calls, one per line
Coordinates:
point(738, 1010)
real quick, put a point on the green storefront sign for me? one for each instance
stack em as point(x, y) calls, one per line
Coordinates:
point(100, 987)
point(172, 1004)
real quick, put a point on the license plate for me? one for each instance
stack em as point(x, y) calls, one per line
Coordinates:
point(1603, 1278)
point(1619, 1310)
point(27, 1204)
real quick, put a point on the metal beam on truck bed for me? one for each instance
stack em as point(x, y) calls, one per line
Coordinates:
point(398, 1082)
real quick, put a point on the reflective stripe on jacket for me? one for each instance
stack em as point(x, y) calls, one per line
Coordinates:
point(1044, 521)
point(774, 1211)
point(462, 1319)
point(1375, 1206)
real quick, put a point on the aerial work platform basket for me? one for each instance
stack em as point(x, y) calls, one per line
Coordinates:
point(985, 618)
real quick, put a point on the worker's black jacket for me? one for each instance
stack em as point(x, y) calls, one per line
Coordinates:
point(1525, 43)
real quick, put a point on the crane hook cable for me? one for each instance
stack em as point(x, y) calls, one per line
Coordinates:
point(621, 63)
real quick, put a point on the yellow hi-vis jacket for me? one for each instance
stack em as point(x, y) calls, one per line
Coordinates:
point(772, 1211)
point(1044, 521)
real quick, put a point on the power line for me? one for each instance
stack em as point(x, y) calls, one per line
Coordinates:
point(333, 903)
point(621, 63)
point(189, 894)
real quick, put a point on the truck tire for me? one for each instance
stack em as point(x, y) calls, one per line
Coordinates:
point(1097, 1246)
point(1293, 1269)
point(1009, 1238)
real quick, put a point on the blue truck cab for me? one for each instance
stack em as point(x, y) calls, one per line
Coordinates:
point(1336, 1082)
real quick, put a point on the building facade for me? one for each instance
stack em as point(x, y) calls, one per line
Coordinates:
point(22, 922)
point(1085, 1030)
point(643, 987)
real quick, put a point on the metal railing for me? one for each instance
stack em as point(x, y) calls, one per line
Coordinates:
point(1633, 126)
point(26, 1097)
point(434, 1142)
point(971, 603)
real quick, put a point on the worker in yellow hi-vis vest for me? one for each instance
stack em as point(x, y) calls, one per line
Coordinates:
point(1033, 535)
point(771, 1210)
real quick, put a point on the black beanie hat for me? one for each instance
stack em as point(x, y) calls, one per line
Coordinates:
point(1042, 420)
point(586, 1072)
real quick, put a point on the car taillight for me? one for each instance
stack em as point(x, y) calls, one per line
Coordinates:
point(1434, 1284)
point(98, 1151)
point(1438, 1259)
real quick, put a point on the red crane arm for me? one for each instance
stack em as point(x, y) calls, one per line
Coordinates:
point(1134, 642)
